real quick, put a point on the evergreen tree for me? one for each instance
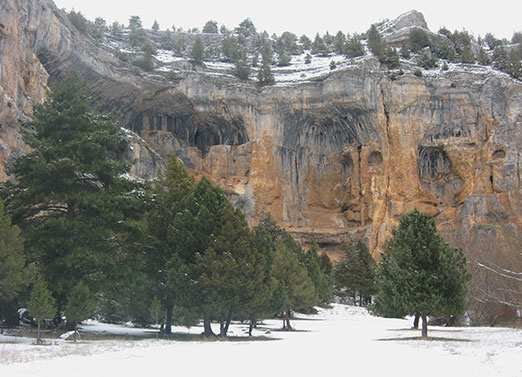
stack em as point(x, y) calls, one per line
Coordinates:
point(500, 58)
point(230, 48)
point(295, 290)
point(136, 32)
point(69, 195)
point(308, 59)
point(210, 27)
point(306, 42)
point(232, 270)
point(339, 42)
point(319, 47)
point(264, 75)
point(375, 42)
point(513, 65)
point(418, 39)
point(41, 304)
point(155, 26)
point(320, 280)
point(80, 305)
point(390, 58)
point(246, 28)
point(354, 47)
point(421, 273)
point(13, 271)
point(405, 51)
point(170, 191)
point(198, 50)
point(354, 274)
point(242, 68)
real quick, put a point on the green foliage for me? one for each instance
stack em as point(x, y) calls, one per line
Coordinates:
point(319, 47)
point(390, 58)
point(354, 47)
point(230, 48)
point(241, 66)
point(500, 58)
point(418, 39)
point(339, 42)
point(13, 272)
point(69, 194)
point(513, 66)
point(333, 65)
point(295, 289)
point(491, 41)
point(404, 51)
point(198, 50)
point(41, 304)
point(246, 28)
point(427, 60)
point(354, 275)
point(264, 75)
point(420, 273)
point(323, 290)
point(375, 42)
point(306, 42)
point(80, 304)
point(155, 26)
point(78, 20)
point(283, 60)
point(136, 32)
point(210, 27)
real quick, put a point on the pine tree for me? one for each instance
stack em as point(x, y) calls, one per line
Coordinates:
point(513, 65)
point(69, 195)
point(210, 27)
point(375, 42)
point(136, 32)
point(418, 39)
point(242, 68)
point(155, 26)
point(198, 50)
point(319, 47)
point(420, 273)
point(264, 75)
point(354, 274)
point(295, 290)
point(170, 191)
point(13, 271)
point(41, 304)
point(354, 47)
point(339, 42)
point(80, 305)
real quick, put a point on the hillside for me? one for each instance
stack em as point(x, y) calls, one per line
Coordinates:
point(336, 152)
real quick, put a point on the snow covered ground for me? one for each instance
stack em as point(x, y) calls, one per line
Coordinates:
point(342, 340)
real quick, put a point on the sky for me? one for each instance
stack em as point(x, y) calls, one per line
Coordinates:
point(499, 17)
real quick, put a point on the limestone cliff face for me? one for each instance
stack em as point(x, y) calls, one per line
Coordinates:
point(341, 157)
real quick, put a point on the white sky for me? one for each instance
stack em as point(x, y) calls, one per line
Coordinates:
point(500, 17)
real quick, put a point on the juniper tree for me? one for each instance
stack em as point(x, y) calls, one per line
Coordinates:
point(420, 273)
point(80, 305)
point(41, 304)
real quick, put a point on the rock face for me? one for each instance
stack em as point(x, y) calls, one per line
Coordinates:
point(342, 157)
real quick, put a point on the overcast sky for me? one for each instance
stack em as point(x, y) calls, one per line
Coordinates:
point(500, 17)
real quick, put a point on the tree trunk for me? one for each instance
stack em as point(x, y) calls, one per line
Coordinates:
point(168, 324)
point(38, 340)
point(229, 319)
point(424, 326)
point(286, 321)
point(207, 327)
point(251, 326)
point(75, 330)
point(416, 321)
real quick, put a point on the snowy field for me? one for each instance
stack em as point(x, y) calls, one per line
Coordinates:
point(342, 341)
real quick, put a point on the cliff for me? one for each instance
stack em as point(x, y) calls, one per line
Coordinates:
point(341, 156)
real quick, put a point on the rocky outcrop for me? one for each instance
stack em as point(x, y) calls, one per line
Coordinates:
point(341, 157)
